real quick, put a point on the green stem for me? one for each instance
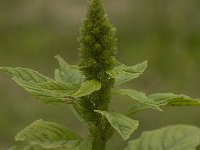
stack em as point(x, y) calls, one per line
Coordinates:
point(97, 139)
point(100, 134)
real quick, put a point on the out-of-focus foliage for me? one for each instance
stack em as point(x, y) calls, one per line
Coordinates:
point(166, 33)
point(181, 137)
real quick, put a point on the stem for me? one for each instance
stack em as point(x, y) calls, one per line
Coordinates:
point(97, 139)
point(101, 134)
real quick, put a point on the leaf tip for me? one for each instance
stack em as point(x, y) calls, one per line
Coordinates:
point(57, 56)
point(4, 68)
point(145, 63)
point(18, 137)
point(97, 111)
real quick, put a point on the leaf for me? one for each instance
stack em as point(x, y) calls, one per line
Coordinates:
point(138, 96)
point(61, 88)
point(137, 107)
point(49, 92)
point(178, 137)
point(41, 87)
point(84, 145)
point(67, 73)
point(88, 87)
point(61, 61)
point(124, 125)
point(25, 74)
point(123, 73)
point(42, 130)
point(164, 99)
point(170, 99)
point(51, 135)
point(140, 67)
point(30, 147)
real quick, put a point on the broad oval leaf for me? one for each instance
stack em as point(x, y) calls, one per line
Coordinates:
point(51, 135)
point(178, 137)
point(164, 99)
point(138, 96)
point(35, 147)
point(25, 74)
point(170, 99)
point(124, 125)
point(67, 73)
point(49, 92)
point(123, 73)
point(139, 68)
point(137, 107)
point(30, 147)
point(41, 87)
point(88, 87)
point(60, 88)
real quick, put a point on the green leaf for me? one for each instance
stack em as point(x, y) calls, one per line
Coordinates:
point(124, 125)
point(138, 96)
point(51, 135)
point(60, 88)
point(164, 99)
point(67, 73)
point(25, 74)
point(170, 99)
point(30, 147)
point(41, 87)
point(123, 73)
point(178, 137)
point(49, 92)
point(42, 130)
point(137, 107)
point(138, 68)
point(84, 145)
point(88, 87)
point(61, 61)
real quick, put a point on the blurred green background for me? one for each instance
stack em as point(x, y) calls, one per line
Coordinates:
point(164, 32)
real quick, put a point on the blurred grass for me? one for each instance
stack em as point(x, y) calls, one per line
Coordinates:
point(166, 33)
